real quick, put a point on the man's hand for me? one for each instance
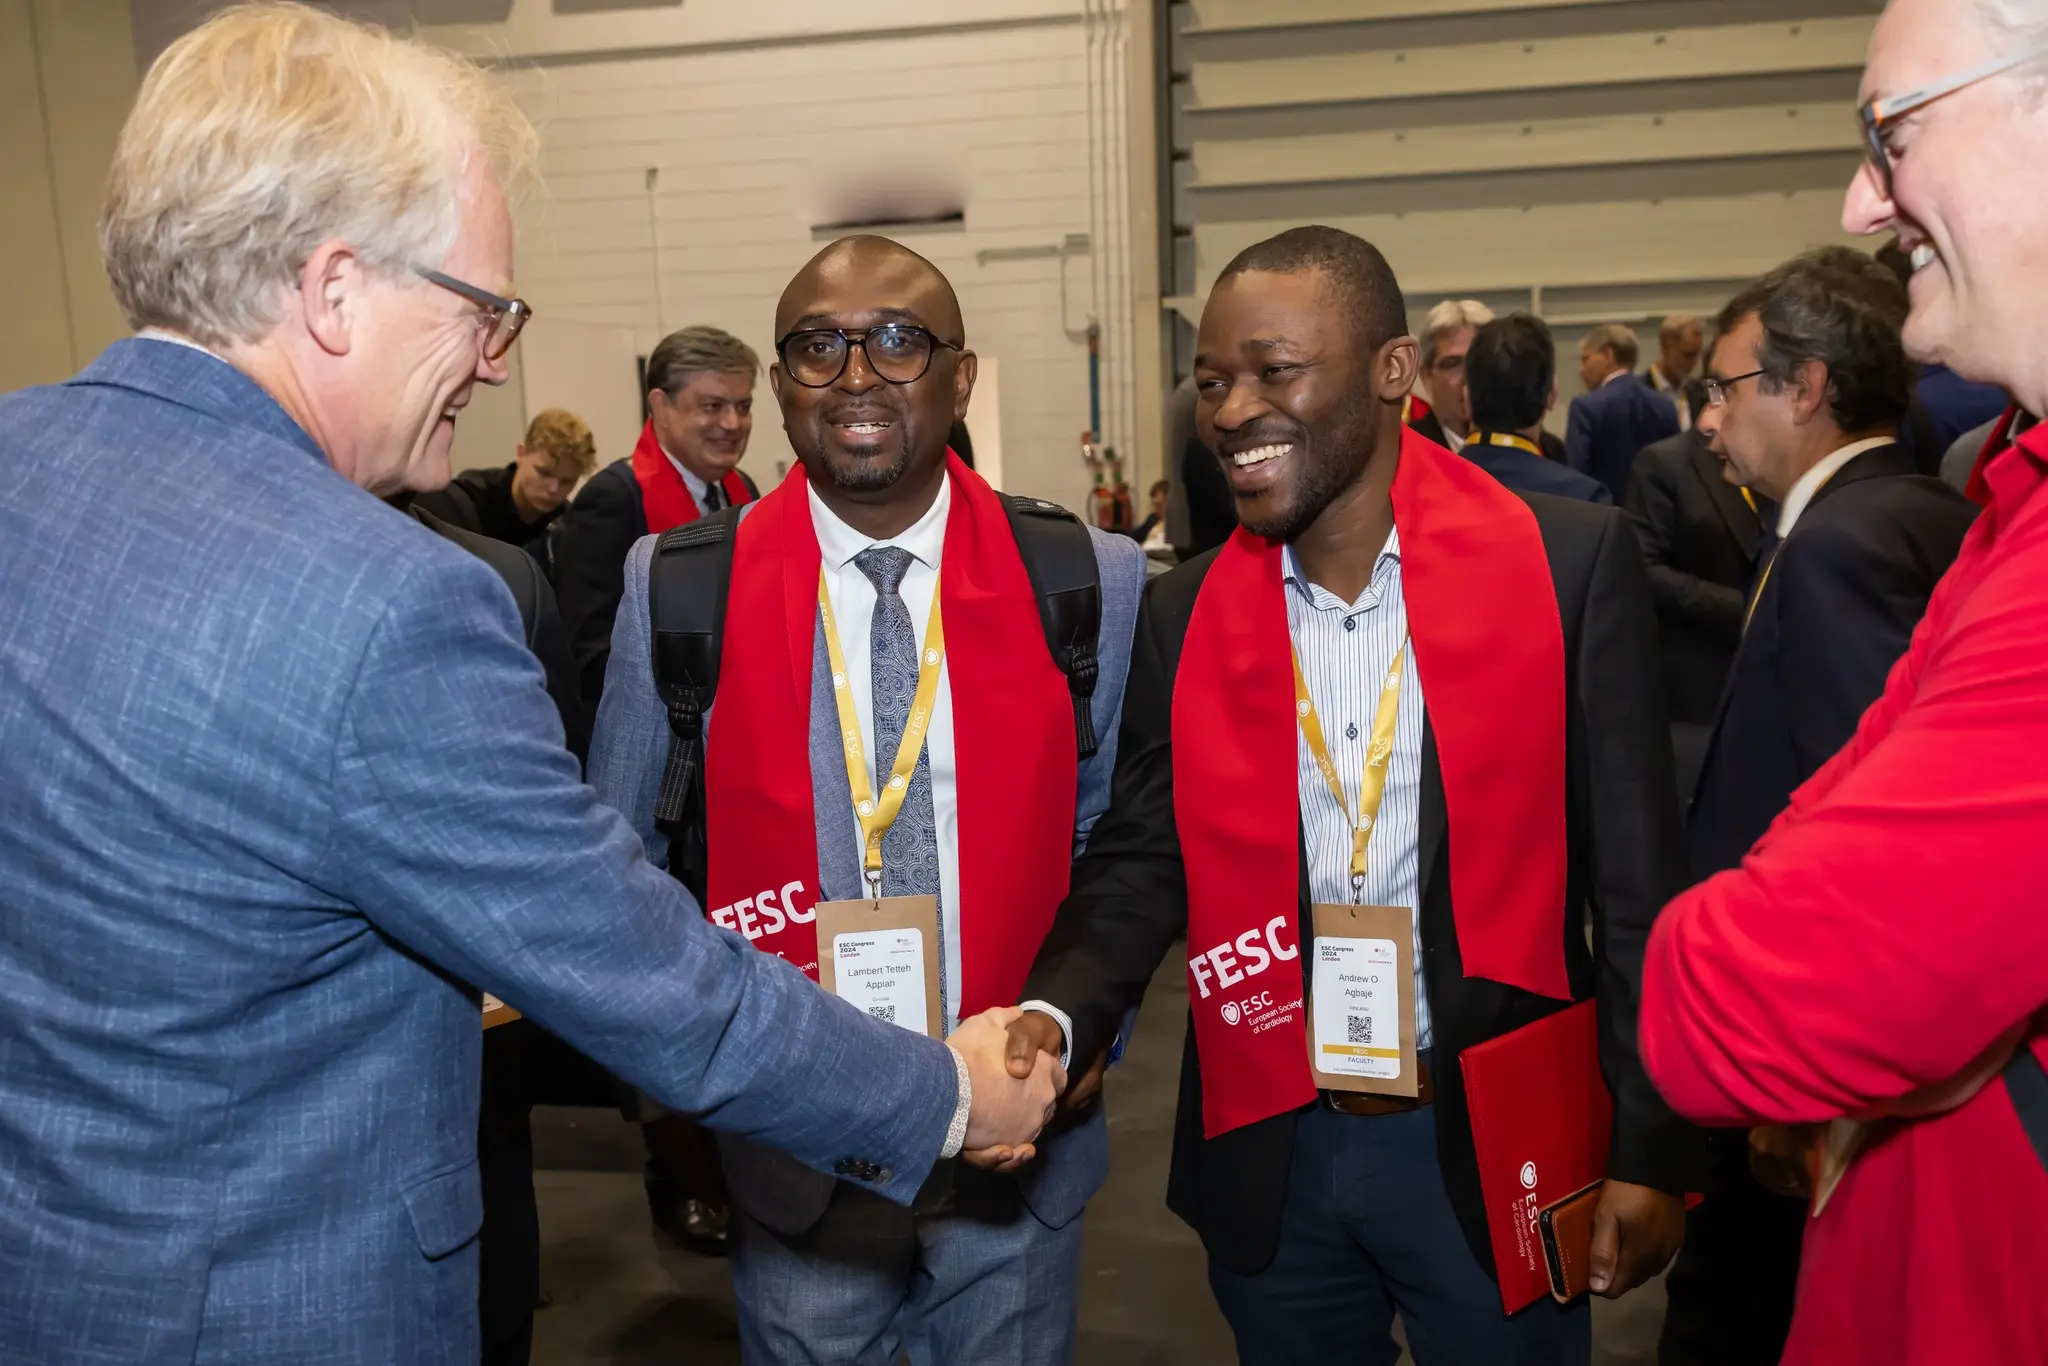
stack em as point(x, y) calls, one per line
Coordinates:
point(1007, 1111)
point(1636, 1233)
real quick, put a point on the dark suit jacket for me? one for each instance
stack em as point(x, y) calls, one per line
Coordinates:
point(1129, 896)
point(1429, 426)
point(1843, 595)
point(1526, 473)
point(1610, 424)
point(1699, 540)
point(1212, 508)
point(590, 542)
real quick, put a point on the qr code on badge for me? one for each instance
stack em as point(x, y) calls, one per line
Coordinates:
point(1358, 1028)
point(886, 1014)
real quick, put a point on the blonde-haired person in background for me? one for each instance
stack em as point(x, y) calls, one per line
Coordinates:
point(519, 502)
point(1446, 336)
point(280, 776)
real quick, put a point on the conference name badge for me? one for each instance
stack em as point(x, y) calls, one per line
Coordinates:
point(1362, 1000)
point(879, 955)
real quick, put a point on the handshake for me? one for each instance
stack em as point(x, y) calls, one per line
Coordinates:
point(1013, 1064)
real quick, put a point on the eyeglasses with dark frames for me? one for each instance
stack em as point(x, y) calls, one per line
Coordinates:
point(899, 353)
point(500, 320)
point(1717, 389)
point(1878, 115)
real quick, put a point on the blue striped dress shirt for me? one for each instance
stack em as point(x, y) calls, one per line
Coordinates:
point(1345, 650)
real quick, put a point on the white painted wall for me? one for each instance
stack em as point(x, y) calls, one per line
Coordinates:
point(760, 121)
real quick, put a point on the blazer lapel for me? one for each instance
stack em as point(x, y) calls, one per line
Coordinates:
point(1879, 462)
point(1727, 499)
point(1433, 817)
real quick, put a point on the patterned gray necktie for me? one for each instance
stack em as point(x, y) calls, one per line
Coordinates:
point(910, 849)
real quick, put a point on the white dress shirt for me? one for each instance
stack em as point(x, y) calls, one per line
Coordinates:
point(853, 607)
point(700, 489)
point(1346, 650)
point(1816, 478)
point(1453, 440)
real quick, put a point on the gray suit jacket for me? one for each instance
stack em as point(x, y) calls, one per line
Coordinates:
point(626, 758)
point(279, 777)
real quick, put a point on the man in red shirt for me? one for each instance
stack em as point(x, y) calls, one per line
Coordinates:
point(1879, 961)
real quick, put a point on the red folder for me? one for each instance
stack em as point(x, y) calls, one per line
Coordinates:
point(1541, 1117)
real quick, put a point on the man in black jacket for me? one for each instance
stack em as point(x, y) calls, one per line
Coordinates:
point(1807, 388)
point(518, 503)
point(1700, 534)
point(700, 405)
point(1323, 1210)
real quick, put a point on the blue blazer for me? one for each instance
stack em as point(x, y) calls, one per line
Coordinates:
point(279, 778)
point(1610, 424)
point(626, 759)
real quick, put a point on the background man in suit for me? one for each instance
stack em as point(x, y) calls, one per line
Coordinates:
point(282, 775)
point(985, 1267)
point(1619, 413)
point(1807, 387)
point(1680, 340)
point(518, 503)
point(1511, 381)
point(1699, 534)
point(700, 412)
point(1446, 336)
point(1323, 1212)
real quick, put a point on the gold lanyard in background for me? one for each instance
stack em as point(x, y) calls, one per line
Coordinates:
point(877, 816)
point(1379, 755)
point(1520, 443)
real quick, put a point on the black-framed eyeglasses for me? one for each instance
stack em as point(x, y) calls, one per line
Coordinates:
point(898, 352)
point(501, 318)
point(1877, 115)
point(1717, 389)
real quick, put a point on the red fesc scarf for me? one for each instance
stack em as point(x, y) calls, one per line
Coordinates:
point(662, 490)
point(1489, 647)
point(1013, 742)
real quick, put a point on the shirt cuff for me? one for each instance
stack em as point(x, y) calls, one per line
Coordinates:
point(956, 1135)
point(1064, 1021)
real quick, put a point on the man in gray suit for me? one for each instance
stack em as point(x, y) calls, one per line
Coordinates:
point(870, 373)
point(280, 776)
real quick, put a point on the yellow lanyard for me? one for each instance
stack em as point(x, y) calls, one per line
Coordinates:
point(1747, 496)
point(1761, 580)
point(877, 816)
point(1520, 443)
point(1378, 755)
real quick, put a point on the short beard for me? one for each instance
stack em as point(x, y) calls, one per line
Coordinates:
point(1348, 431)
point(867, 476)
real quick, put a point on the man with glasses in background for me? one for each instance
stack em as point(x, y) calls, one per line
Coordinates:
point(843, 582)
point(1878, 961)
point(281, 777)
point(1806, 390)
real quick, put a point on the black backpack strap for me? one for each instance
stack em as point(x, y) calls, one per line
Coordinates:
point(686, 589)
point(2027, 1084)
point(1059, 556)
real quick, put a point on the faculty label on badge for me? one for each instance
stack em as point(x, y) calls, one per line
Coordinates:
point(882, 972)
point(1357, 1012)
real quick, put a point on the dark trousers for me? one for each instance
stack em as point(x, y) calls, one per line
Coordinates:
point(508, 1252)
point(1731, 1290)
point(1369, 1231)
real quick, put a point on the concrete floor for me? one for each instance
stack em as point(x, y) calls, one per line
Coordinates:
point(614, 1301)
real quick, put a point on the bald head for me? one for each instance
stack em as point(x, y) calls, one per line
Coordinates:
point(887, 275)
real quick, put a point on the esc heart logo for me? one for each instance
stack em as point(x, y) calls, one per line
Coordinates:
point(1528, 1176)
point(1230, 1012)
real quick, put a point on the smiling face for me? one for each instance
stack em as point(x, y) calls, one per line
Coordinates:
point(416, 354)
point(1289, 400)
point(706, 423)
point(1963, 201)
point(861, 435)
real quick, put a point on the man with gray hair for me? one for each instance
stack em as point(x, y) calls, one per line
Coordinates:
point(281, 776)
point(1446, 336)
point(1877, 964)
point(1619, 413)
point(700, 412)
